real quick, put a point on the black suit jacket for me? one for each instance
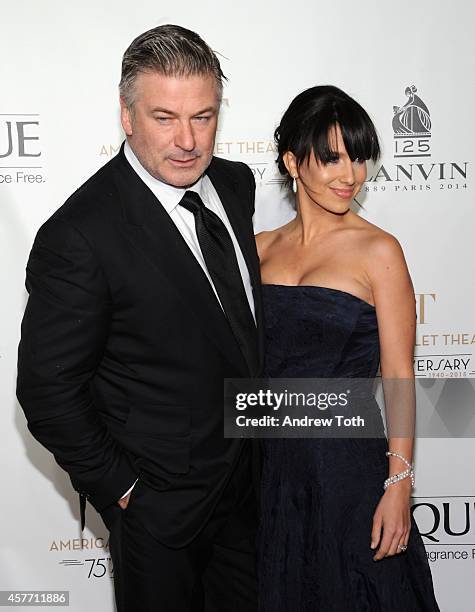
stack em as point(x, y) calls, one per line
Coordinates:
point(124, 348)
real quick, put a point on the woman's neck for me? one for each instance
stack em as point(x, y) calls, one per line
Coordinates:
point(313, 221)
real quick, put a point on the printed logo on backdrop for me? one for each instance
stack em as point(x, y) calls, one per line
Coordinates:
point(447, 527)
point(258, 153)
point(444, 365)
point(411, 125)
point(21, 157)
point(439, 352)
point(90, 556)
point(415, 168)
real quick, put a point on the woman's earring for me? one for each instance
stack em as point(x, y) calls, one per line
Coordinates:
point(294, 184)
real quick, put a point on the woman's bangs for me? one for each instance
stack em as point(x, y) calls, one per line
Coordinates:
point(359, 136)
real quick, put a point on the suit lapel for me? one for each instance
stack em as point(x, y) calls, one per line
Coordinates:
point(153, 232)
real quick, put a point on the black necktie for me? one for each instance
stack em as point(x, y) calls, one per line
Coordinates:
point(221, 262)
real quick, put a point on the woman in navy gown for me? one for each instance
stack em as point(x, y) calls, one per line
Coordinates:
point(339, 302)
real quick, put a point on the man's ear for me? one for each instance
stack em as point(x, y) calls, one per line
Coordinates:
point(125, 117)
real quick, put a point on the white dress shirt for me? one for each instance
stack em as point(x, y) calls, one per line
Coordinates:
point(169, 197)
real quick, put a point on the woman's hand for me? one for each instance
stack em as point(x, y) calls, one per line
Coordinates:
point(392, 520)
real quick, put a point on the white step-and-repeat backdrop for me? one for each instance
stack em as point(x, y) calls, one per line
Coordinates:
point(59, 122)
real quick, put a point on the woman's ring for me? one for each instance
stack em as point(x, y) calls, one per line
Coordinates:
point(402, 547)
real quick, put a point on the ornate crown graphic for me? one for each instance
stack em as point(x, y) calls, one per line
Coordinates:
point(413, 118)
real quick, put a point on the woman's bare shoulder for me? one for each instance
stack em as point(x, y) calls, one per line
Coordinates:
point(265, 239)
point(384, 246)
point(378, 242)
point(385, 259)
point(381, 251)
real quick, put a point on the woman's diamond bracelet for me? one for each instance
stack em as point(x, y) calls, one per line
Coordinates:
point(409, 473)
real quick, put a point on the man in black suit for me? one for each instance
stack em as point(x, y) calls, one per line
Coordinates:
point(144, 297)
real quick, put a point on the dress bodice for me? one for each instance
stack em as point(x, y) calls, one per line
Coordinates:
point(314, 331)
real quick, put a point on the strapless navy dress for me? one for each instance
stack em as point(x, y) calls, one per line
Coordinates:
point(318, 496)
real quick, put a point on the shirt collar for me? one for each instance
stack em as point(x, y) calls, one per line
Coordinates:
point(168, 195)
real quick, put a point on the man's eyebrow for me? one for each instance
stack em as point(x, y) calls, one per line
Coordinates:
point(209, 109)
point(160, 109)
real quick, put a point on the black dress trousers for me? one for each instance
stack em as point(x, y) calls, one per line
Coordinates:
point(215, 573)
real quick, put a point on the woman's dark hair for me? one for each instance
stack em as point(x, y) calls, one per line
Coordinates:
point(307, 124)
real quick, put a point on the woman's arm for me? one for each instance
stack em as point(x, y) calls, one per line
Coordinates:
point(395, 309)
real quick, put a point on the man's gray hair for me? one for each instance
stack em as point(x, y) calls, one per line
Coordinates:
point(169, 50)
